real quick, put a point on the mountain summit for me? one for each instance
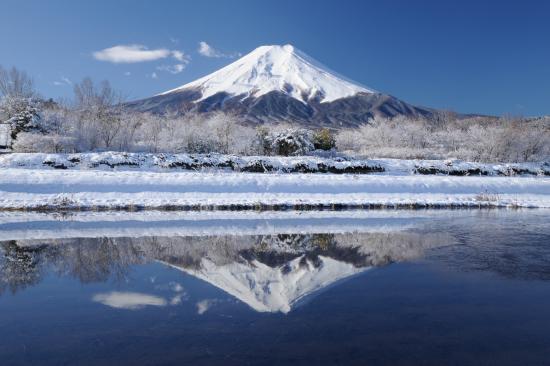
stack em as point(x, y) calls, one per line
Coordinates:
point(276, 68)
point(280, 83)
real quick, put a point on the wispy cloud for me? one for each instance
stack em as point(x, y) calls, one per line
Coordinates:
point(63, 81)
point(173, 69)
point(207, 50)
point(136, 53)
point(180, 56)
point(178, 67)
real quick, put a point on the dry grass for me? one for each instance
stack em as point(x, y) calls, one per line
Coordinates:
point(487, 197)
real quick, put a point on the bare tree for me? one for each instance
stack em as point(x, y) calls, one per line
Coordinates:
point(15, 83)
point(102, 106)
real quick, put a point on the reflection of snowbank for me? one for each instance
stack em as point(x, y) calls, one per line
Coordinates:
point(29, 225)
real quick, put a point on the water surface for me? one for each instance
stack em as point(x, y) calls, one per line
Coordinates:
point(376, 288)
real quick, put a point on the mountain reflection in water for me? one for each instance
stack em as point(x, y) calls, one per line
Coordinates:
point(270, 273)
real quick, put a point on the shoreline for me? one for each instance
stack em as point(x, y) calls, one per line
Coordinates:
point(269, 208)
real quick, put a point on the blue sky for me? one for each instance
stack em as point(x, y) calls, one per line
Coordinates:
point(470, 56)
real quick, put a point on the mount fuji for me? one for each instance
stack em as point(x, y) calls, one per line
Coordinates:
point(280, 83)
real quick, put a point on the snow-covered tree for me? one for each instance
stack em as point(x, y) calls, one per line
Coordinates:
point(18, 100)
point(290, 141)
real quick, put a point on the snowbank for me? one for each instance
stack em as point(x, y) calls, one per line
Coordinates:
point(144, 161)
point(264, 164)
point(40, 189)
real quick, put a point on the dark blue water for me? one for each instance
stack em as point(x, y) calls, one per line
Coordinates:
point(463, 289)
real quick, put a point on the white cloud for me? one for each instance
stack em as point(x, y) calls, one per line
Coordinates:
point(208, 51)
point(130, 54)
point(127, 73)
point(153, 75)
point(137, 53)
point(128, 300)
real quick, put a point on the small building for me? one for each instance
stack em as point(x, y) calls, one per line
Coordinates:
point(5, 136)
point(5, 133)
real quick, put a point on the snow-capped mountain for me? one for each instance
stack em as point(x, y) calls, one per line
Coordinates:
point(275, 68)
point(280, 83)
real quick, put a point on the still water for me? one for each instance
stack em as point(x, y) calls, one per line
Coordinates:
point(316, 288)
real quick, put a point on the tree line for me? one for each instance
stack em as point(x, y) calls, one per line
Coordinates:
point(96, 120)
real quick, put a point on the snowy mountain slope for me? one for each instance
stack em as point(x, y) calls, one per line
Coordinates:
point(275, 68)
point(279, 83)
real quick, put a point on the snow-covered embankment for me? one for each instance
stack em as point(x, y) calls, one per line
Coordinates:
point(39, 189)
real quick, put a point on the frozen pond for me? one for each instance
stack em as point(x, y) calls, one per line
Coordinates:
point(301, 288)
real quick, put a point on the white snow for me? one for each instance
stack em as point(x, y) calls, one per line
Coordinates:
point(36, 188)
point(169, 162)
point(275, 68)
point(112, 180)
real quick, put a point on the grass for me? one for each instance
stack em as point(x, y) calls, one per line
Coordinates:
point(487, 196)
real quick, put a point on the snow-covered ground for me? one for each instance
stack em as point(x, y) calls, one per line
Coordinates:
point(42, 189)
point(265, 164)
point(112, 180)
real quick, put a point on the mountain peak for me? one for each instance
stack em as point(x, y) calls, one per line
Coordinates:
point(278, 68)
point(280, 83)
point(286, 47)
